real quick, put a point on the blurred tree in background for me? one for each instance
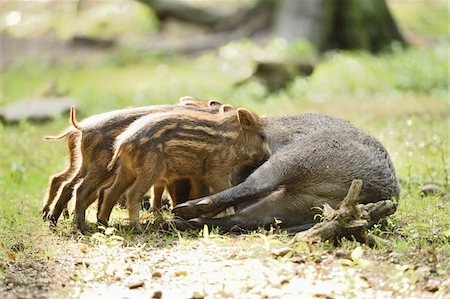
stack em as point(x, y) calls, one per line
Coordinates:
point(327, 24)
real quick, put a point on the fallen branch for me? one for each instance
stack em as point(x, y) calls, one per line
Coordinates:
point(349, 220)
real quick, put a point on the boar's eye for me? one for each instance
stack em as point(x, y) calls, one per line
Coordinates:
point(262, 136)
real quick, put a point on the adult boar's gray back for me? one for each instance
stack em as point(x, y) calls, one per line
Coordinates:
point(315, 158)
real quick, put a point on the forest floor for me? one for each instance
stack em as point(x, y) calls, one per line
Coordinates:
point(117, 264)
point(401, 98)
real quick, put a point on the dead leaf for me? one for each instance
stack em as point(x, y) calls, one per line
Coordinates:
point(281, 251)
point(313, 240)
point(11, 255)
point(83, 248)
point(181, 273)
point(135, 285)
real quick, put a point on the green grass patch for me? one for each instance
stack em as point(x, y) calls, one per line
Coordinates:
point(401, 98)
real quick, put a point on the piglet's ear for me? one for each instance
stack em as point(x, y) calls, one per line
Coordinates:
point(214, 103)
point(226, 108)
point(190, 103)
point(247, 119)
point(186, 99)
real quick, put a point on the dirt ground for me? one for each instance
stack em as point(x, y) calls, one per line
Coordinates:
point(259, 265)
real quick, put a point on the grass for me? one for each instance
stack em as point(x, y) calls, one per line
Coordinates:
point(401, 98)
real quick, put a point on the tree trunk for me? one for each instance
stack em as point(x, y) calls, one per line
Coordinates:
point(327, 24)
point(338, 24)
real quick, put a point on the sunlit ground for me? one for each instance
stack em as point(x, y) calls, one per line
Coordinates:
point(401, 98)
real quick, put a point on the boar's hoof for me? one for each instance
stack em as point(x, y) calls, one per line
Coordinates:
point(197, 222)
point(185, 210)
point(205, 203)
point(178, 224)
point(194, 208)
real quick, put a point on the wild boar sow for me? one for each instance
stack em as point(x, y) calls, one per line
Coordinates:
point(175, 145)
point(314, 160)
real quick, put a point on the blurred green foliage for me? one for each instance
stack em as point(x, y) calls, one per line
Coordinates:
point(422, 19)
point(413, 70)
point(99, 19)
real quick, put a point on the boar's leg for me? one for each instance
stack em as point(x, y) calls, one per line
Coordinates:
point(260, 183)
point(292, 213)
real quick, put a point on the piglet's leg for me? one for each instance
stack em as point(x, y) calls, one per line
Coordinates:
point(121, 183)
point(135, 194)
point(57, 180)
point(157, 192)
point(64, 196)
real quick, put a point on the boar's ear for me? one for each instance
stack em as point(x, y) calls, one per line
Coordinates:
point(226, 108)
point(247, 120)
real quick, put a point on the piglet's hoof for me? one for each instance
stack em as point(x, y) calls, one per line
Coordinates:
point(84, 230)
point(197, 222)
point(45, 213)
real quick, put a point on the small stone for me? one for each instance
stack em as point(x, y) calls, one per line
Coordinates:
point(339, 253)
point(197, 295)
point(81, 263)
point(281, 251)
point(432, 286)
point(156, 274)
point(157, 295)
point(135, 285)
point(297, 260)
point(128, 271)
point(37, 109)
point(431, 189)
